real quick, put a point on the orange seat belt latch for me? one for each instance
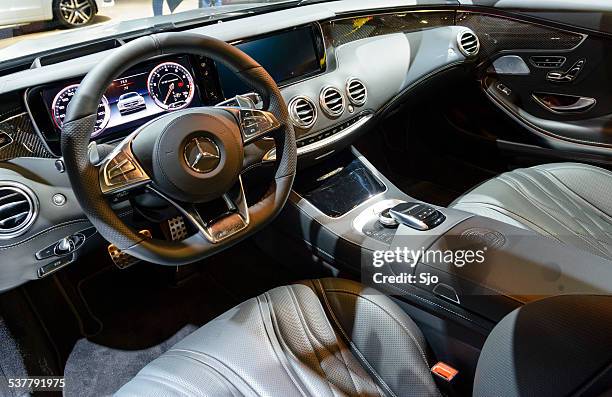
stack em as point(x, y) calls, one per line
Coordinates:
point(444, 371)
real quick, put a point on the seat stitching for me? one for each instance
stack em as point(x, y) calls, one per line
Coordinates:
point(561, 202)
point(410, 334)
point(548, 211)
point(554, 179)
point(574, 167)
point(341, 352)
point(590, 236)
point(501, 210)
point(306, 331)
point(215, 372)
point(166, 382)
point(206, 355)
point(518, 187)
point(565, 216)
point(279, 339)
point(594, 221)
point(509, 213)
point(574, 201)
point(365, 361)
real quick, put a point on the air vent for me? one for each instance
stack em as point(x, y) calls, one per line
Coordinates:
point(18, 209)
point(356, 92)
point(303, 112)
point(332, 101)
point(468, 43)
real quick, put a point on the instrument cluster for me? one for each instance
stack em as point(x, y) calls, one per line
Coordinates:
point(140, 94)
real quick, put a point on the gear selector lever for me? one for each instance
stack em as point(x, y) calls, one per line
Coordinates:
point(418, 216)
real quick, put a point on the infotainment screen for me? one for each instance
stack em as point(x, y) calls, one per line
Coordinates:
point(142, 93)
point(287, 56)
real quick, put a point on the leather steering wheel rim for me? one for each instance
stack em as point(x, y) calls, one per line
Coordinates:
point(84, 176)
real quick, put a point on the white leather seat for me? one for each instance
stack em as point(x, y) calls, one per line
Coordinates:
point(569, 202)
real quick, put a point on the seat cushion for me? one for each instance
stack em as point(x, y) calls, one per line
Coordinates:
point(569, 202)
point(325, 337)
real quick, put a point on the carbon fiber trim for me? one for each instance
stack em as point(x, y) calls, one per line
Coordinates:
point(498, 33)
point(25, 142)
point(342, 31)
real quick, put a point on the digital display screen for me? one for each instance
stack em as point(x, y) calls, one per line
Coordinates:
point(141, 93)
point(286, 56)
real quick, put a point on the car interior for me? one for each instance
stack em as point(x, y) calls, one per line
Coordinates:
point(220, 208)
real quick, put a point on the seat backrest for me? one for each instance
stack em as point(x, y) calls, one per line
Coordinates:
point(559, 346)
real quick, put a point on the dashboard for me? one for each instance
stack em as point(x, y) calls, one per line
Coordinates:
point(177, 82)
point(338, 69)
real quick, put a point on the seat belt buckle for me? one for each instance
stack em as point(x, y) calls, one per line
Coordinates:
point(444, 371)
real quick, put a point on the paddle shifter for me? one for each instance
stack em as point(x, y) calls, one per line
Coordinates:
point(418, 216)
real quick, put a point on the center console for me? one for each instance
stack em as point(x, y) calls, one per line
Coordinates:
point(348, 215)
point(345, 216)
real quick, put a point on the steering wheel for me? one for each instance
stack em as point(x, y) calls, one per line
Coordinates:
point(187, 157)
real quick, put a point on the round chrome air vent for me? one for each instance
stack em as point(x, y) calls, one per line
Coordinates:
point(468, 43)
point(303, 112)
point(18, 209)
point(356, 91)
point(332, 101)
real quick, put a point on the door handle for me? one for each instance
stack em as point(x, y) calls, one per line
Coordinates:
point(562, 104)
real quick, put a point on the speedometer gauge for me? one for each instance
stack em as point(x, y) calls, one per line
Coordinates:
point(63, 98)
point(171, 86)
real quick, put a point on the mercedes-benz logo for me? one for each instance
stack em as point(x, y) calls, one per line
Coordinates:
point(202, 154)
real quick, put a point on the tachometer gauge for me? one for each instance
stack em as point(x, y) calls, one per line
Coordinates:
point(63, 98)
point(171, 86)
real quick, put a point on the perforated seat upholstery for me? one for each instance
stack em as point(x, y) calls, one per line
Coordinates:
point(336, 337)
point(328, 337)
point(569, 202)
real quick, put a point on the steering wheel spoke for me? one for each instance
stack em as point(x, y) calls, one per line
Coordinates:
point(120, 171)
point(218, 227)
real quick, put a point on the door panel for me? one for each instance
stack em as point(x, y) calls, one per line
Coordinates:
point(554, 81)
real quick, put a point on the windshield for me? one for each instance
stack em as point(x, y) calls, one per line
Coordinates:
point(30, 27)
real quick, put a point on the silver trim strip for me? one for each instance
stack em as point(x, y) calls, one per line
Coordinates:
point(271, 155)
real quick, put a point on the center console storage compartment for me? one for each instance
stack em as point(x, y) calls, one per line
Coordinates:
point(337, 186)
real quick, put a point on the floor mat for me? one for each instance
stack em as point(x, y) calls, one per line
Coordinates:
point(108, 369)
point(143, 311)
